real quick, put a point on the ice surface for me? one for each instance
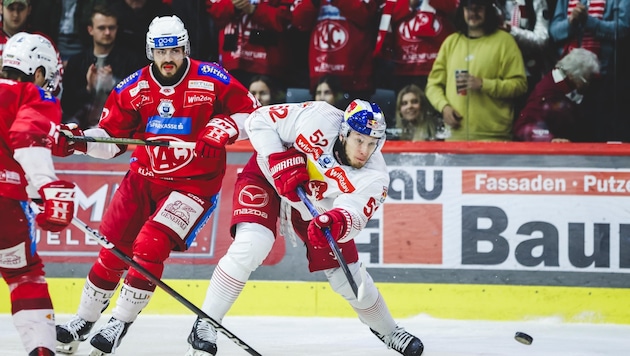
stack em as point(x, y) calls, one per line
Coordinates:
point(284, 336)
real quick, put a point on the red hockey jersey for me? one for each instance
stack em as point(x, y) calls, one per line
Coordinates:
point(139, 106)
point(29, 116)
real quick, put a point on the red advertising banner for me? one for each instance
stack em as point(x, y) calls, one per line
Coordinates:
point(96, 184)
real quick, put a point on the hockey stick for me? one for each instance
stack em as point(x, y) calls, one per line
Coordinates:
point(331, 242)
point(102, 240)
point(127, 141)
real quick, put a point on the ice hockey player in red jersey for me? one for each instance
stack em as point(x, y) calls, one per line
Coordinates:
point(30, 115)
point(168, 193)
point(336, 156)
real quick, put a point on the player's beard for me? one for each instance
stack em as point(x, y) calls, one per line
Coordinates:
point(170, 80)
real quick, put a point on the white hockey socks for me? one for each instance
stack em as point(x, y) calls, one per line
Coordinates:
point(371, 308)
point(130, 303)
point(36, 328)
point(93, 301)
point(251, 246)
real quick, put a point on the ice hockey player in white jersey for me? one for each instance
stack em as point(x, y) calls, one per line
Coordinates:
point(336, 157)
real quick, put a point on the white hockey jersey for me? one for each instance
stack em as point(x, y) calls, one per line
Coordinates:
point(313, 128)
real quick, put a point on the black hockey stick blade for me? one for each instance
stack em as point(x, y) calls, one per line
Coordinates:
point(127, 141)
point(331, 242)
point(102, 240)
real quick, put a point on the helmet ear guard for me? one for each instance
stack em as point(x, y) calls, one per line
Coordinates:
point(26, 52)
point(167, 32)
point(365, 118)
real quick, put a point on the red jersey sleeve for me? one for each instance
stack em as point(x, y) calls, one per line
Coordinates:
point(38, 114)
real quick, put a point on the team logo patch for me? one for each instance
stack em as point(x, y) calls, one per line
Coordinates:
point(326, 161)
point(168, 159)
point(13, 257)
point(214, 71)
point(329, 36)
point(179, 213)
point(166, 109)
point(127, 81)
point(171, 126)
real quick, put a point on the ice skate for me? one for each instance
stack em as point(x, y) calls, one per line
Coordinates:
point(402, 341)
point(41, 351)
point(108, 337)
point(202, 339)
point(71, 334)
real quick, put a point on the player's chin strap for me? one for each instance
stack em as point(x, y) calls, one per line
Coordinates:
point(102, 240)
point(332, 243)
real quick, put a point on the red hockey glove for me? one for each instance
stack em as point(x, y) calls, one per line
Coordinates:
point(65, 146)
point(288, 169)
point(220, 131)
point(336, 220)
point(57, 206)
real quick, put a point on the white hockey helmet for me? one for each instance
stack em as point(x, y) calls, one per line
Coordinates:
point(167, 32)
point(365, 118)
point(26, 52)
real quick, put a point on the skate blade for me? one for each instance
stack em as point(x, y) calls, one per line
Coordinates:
point(67, 349)
point(193, 352)
point(97, 352)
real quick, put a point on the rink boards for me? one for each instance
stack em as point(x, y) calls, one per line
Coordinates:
point(468, 231)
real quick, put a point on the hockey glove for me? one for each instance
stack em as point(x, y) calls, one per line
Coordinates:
point(336, 220)
point(220, 131)
point(288, 170)
point(65, 146)
point(57, 205)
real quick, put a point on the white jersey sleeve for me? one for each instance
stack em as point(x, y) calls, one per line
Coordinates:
point(273, 128)
point(313, 128)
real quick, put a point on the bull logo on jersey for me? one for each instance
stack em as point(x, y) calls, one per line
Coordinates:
point(317, 188)
point(166, 109)
point(328, 36)
point(167, 159)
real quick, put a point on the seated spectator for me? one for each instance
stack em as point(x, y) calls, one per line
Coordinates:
point(415, 117)
point(328, 89)
point(476, 76)
point(265, 90)
point(603, 27)
point(553, 111)
point(92, 73)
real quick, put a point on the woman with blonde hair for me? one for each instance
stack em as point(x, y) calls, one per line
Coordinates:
point(415, 116)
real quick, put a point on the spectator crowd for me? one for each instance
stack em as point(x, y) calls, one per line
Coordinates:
point(454, 70)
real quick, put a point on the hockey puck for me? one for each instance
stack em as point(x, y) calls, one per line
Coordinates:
point(523, 338)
